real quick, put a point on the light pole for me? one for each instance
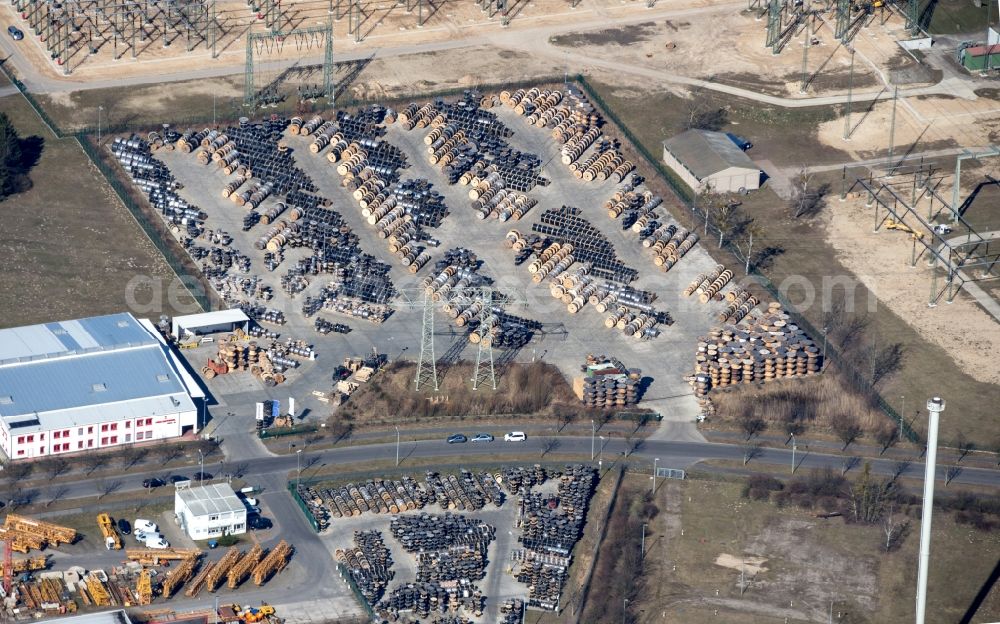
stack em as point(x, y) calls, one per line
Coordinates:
point(216, 610)
point(825, 330)
point(793, 453)
point(397, 446)
point(655, 461)
point(593, 432)
point(600, 458)
point(298, 468)
point(902, 415)
point(624, 609)
point(99, 109)
point(934, 408)
point(642, 548)
point(201, 466)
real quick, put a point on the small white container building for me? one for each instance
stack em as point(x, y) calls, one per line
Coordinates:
point(209, 511)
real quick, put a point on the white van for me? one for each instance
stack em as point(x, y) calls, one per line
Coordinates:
point(156, 541)
point(515, 436)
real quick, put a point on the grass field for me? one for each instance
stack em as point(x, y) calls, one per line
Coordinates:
point(68, 247)
point(784, 137)
point(945, 17)
point(805, 564)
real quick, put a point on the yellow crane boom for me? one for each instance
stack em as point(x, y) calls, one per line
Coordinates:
point(145, 587)
point(275, 562)
point(46, 530)
point(111, 537)
point(149, 556)
point(214, 578)
point(241, 570)
point(178, 576)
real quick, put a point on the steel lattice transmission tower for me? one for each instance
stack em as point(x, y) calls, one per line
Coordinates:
point(913, 16)
point(773, 24)
point(273, 42)
point(427, 364)
point(488, 298)
point(484, 374)
point(843, 11)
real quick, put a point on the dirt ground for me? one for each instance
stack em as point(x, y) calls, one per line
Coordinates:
point(882, 262)
point(679, 46)
point(921, 123)
point(382, 23)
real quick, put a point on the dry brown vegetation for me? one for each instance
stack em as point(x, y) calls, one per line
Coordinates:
point(538, 389)
point(796, 404)
point(618, 571)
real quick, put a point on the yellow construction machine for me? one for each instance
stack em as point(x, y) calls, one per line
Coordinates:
point(112, 541)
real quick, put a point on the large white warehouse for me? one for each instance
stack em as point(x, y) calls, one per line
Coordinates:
point(90, 384)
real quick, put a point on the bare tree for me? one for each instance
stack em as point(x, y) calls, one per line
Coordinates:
point(56, 493)
point(899, 467)
point(886, 361)
point(749, 242)
point(869, 496)
point(950, 473)
point(848, 463)
point(886, 435)
point(894, 527)
point(18, 471)
point(808, 198)
point(752, 424)
point(549, 444)
point(341, 430)
point(171, 452)
point(632, 443)
point(132, 455)
point(94, 461)
point(56, 466)
point(750, 451)
point(702, 114)
point(108, 487)
point(965, 445)
point(792, 426)
point(565, 417)
point(847, 429)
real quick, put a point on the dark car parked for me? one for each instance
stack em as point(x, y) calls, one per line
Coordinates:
point(15, 33)
point(124, 527)
point(152, 483)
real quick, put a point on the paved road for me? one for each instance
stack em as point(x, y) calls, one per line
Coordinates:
point(271, 471)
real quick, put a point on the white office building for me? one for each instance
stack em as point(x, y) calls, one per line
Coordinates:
point(91, 384)
point(209, 511)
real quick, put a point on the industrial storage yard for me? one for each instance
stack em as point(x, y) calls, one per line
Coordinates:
point(429, 255)
point(613, 254)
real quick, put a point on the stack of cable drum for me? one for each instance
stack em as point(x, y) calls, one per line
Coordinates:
point(369, 564)
point(669, 244)
point(607, 384)
point(708, 286)
point(765, 348)
point(608, 393)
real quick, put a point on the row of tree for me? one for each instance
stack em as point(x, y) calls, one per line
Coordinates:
point(17, 156)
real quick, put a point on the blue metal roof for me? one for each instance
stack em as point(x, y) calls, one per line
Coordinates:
point(50, 340)
point(90, 379)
